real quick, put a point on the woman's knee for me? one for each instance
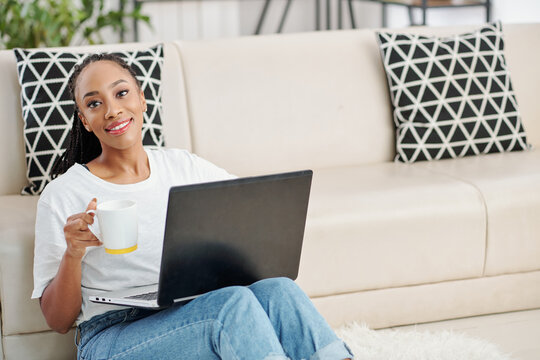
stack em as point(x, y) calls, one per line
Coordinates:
point(276, 284)
point(281, 283)
point(236, 292)
point(276, 287)
point(237, 297)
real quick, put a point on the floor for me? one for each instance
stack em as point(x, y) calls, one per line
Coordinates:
point(516, 333)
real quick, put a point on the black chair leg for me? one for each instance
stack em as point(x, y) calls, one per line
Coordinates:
point(384, 15)
point(351, 13)
point(424, 12)
point(318, 15)
point(262, 17)
point(339, 15)
point(284, 16)
point(328, 14)
point(411, 16)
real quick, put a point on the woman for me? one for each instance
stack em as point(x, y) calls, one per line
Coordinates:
point(105, 160)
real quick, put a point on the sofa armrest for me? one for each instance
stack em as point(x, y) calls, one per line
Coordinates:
point(20, 314)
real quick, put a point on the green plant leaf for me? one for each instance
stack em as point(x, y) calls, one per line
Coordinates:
point(35, 23)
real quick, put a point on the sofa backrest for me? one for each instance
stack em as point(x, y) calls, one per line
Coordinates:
point(522, 50)
point(314, 100)
point(12, 161)
point(283, 102)
point(279, 102)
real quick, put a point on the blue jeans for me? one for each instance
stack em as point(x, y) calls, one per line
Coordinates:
point(271, 319)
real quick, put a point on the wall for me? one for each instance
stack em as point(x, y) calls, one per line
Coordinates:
point(191, 20)
point(208, 19)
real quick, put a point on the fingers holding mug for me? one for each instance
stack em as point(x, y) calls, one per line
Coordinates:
point(91, 209)
point(77, 232)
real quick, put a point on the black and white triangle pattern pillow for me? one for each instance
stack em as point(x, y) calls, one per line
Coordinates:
point(47, 107)
point(452, 97)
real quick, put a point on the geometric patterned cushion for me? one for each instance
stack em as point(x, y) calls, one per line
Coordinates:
point(47, 107)
point(452, 97)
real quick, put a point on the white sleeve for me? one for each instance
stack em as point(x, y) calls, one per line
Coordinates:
point(49, 247)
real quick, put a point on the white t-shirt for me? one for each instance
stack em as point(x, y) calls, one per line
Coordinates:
point(70, 194)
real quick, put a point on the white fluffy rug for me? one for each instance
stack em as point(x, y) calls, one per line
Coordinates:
point(416, 345)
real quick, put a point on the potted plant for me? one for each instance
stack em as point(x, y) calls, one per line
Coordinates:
point(53, 23)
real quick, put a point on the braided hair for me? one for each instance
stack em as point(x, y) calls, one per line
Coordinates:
point(83, 145)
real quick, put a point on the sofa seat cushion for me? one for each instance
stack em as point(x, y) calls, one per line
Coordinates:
point(46, 345)
point(389, 224)
point(510, 186)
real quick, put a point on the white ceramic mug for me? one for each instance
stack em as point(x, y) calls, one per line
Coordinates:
point(117, 222)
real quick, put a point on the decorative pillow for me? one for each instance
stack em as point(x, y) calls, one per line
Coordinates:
point(47, 107)
point(452, 97)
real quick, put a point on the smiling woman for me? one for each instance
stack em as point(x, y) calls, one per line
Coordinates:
point(99, 93)
point(270, 319)
point(110, 105)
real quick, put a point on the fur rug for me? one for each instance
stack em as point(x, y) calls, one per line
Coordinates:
point(391, 344)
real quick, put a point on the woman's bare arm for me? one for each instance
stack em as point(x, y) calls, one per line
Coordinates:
point(61, 299)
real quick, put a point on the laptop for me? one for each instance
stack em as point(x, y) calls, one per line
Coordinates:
point(225, 233)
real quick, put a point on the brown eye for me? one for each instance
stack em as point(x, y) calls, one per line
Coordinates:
point(123, 93)
point(93, 104)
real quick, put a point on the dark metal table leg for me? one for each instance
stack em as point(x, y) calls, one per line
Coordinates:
point(339, 16)
point(411, 17)
point(317, 15)
point(384, 15)
point(284, 16)
point(424, 12)
point(351, 13)
point(328, 14)
point(262, 17)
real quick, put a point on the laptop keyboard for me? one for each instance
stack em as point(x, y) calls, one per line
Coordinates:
point(146, 296)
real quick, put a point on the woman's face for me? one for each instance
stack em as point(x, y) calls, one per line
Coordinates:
point(111, 105)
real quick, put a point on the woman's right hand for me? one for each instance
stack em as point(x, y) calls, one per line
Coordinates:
point(78, 235)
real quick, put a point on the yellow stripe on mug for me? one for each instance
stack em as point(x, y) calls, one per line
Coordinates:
point(121, 251)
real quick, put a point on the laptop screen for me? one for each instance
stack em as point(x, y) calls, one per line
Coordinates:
point(233, 232)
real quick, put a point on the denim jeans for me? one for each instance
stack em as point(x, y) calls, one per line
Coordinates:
point(271, 319)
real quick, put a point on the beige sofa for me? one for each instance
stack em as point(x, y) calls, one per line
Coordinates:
point(385, 243)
